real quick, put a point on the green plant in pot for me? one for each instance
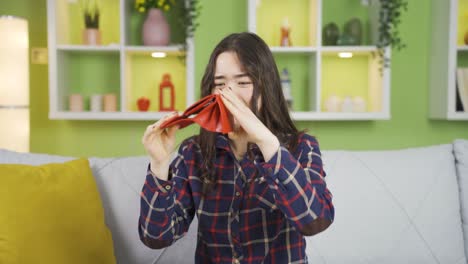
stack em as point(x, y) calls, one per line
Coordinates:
point(91, 15)
point(385, 31)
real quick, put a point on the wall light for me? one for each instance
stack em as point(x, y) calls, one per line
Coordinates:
point(345, 55)
point(158, 54)
point(14, 84)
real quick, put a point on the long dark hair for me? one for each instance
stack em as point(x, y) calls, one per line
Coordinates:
point(259, 64)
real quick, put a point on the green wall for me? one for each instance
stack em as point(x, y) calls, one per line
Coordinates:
point(408, 127)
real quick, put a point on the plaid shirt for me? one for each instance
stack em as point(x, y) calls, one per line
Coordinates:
point(255, 212)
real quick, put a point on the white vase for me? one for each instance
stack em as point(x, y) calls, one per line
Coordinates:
point(359, 104)
point(347, 104)
point(333, 104)
point(156, 31)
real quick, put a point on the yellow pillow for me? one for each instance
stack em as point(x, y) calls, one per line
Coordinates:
point(52, 214)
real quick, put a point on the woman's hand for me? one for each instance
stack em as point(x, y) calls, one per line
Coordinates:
point(255, 131)
point(159, 143)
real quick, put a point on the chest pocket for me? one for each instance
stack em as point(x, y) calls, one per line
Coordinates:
point(259, 194)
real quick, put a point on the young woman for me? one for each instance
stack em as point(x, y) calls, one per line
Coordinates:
point(256, 191)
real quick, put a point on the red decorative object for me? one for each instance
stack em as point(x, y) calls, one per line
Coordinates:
point(165, 85)
point(210, 113)
point(143, 103)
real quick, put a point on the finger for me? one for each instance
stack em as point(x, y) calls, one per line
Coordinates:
point(172, 130)
point(229, 105)
point(162, 120)
point(154, 128)
point(229, 98)
point(236, 100)
point(217, 90)
point(230, 91)
point(149, 133)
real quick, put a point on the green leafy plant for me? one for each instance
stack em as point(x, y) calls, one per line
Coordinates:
point(388, 35)
point(91, 14)
point(189, 11)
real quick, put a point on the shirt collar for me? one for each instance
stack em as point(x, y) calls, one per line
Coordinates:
point(222, 142)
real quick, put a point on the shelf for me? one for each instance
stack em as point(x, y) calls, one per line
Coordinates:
point(341, 12)
point(352, 77)
point(448, 54)
point(351, 116)
point(108, 115)
point(298, 116)
point(303, 75)
point(87, 48)
point(144, 75)
point(269, 16)
point(355, 49)
point(86, 73)
point(69, 26)
point(317, 71)
point(293, 49)
point(122, 65)
point(461, 116)
point(174, 50)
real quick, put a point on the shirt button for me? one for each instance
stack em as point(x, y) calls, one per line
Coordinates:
point(237, 194)
point(168, 187)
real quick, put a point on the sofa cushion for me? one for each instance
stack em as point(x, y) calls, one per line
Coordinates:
point(460, 147)
point(43, 219)
point(397, 206)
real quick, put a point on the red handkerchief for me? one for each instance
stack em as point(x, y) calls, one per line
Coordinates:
point(209, 112)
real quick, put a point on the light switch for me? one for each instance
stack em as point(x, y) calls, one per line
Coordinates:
point(39, 55)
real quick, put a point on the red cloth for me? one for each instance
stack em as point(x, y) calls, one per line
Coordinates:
point(210, 113)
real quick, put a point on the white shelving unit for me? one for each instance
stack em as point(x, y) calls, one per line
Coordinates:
point(68, 60)
point(319, 59)
point(447, 52)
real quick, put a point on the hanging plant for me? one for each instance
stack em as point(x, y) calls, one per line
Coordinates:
point(388, 35)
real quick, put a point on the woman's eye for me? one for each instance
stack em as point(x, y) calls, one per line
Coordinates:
point(219, 84)
point(244, 83)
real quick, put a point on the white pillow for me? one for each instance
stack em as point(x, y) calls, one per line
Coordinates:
point(396, 206)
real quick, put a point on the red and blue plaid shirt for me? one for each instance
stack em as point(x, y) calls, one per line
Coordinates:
point(255, 212)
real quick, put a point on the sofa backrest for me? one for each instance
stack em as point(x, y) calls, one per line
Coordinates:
point(460, 149)
point(398, 206)
point(394, 206)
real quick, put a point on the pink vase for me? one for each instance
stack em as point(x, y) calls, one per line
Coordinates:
point(91, 36)
point(156, 31)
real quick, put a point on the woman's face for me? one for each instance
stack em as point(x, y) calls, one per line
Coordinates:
point(230, 73)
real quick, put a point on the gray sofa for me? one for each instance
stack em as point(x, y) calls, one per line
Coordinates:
point(394, 206)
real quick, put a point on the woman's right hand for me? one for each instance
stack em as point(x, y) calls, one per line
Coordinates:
point(159, 143)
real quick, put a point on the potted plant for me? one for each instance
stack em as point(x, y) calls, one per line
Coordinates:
point(91, 15)
point(385, 17)
point(156, 31)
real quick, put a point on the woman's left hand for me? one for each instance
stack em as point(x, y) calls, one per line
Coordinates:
point(255, 131)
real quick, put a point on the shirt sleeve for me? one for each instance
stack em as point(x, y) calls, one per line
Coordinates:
point(166, 207)
point(298, 184)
